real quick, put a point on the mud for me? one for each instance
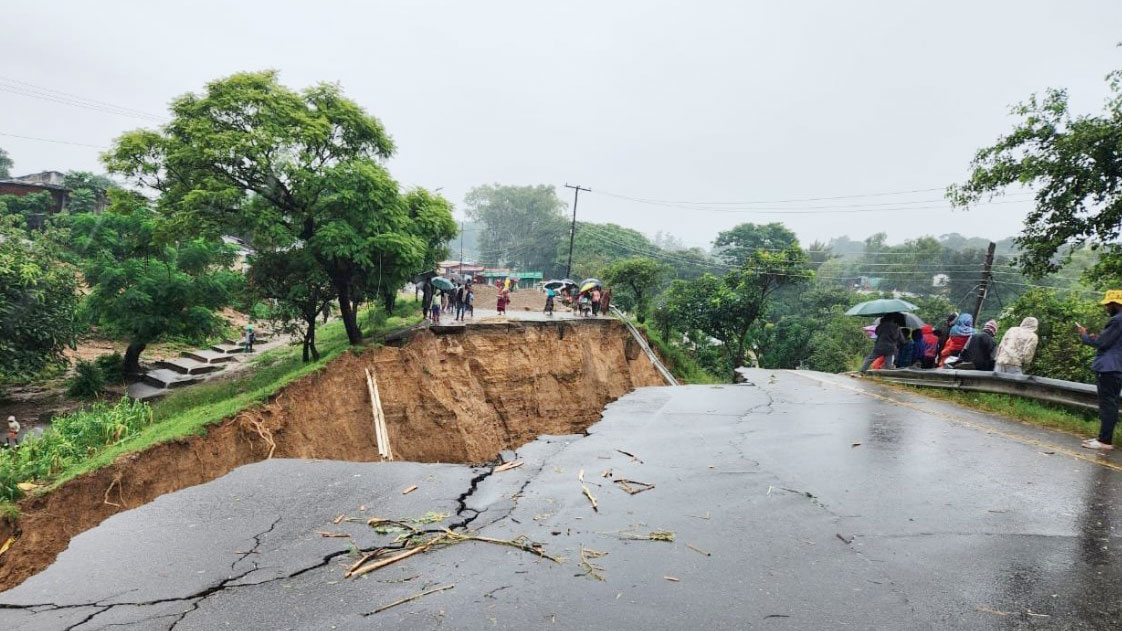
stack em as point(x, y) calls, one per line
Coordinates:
point(454, 397)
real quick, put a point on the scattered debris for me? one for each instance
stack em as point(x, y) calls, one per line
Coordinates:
point(587, 493)
point(705, 516)
point(7, 544)
point(407, 579)
point(1029, 612)
point(362, 509)
point(769, 488)
point(606, 474)
point(845, 540)
point(339, 519)
point(654, 535)
point(338, 535)
point(776, 615)
point(633, 457)
point(993, 611)
point(698, 550)
point(415, 544)
point(508, 466)
point(591, 569)
point(855, 445)
point(409, 490)
point(674, 579)
point(410, 598)
point(633, 487)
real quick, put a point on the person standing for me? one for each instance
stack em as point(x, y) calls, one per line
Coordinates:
point(460, 298)
point(1016, 350)
point(434, 311)
point(594, 296)
point(13, 432)
point(1108, 369)
point(980, 349)
point(888, 339)
point(549, 294)
point(250, 338)
point(469, 299)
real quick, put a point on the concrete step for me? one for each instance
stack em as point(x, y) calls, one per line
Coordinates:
point(188, 366)
point(261, 338)
point(145, 392)
point(164, 378)
point(207, 356)
point(228, 349)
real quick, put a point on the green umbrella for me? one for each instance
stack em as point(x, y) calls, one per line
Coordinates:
point(442, 283)
point(881, 307)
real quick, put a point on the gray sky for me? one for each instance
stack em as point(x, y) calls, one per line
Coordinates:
point(731, 101)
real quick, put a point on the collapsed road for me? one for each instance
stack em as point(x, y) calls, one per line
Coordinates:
point(795, 501)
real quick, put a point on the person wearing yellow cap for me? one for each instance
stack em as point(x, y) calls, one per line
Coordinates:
point(1108, 369)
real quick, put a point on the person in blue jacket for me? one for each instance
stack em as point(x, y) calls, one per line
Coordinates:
point(1108, 369)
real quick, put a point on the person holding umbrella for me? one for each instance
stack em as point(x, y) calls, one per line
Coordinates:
point(1108, 369)
point(889, 338)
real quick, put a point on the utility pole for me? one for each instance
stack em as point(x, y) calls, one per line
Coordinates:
point(987, 277)
point(573, 230)
point(461, 248)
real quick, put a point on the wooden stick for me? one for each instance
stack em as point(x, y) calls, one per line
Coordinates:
point(374, 413)
point(381, 416)
point(370, 567)
point(411, 598)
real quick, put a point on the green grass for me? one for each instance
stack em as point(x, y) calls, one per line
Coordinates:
point(678, 359)
point(1074, 420)
point(191, 410)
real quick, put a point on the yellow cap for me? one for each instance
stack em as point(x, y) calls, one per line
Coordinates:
point(1114, 295)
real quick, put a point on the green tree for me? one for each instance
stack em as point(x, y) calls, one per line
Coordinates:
point(299, 289)
point(38, 298)
point(145, 290)
point(523, 226)
point(250, 155)
point(31, 204)
point(1074, 164)
point(598, 245)
point(5, 164)
point(739, 244)
point(726, 308)
point(639, 278)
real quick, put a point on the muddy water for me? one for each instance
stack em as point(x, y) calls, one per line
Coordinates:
point(455, 397)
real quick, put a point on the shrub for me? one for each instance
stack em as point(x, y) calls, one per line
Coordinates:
point(112, 366)
point(87, 382)
point(71, 439)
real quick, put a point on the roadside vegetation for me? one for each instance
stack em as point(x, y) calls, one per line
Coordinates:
point(1040, 413)
point(92, 437)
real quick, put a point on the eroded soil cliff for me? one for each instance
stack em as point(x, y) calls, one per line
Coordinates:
point(451, 397)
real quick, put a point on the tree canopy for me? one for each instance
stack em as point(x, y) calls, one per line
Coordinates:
point(5, 164)
point(639, 278)
point(522, 226)
point(288, 167)
point(1074, 165)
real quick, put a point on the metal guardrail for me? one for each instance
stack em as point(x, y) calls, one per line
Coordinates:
point(670, 380)
point(1040, 388)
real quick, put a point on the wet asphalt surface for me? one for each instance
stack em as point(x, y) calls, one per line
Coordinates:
point(940, 518)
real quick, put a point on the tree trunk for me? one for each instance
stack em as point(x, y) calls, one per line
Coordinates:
point(132, 358)
point(347, 313)
point(310, 351)
point(389, 298)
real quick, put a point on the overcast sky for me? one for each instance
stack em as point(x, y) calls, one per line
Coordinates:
point(699, 101)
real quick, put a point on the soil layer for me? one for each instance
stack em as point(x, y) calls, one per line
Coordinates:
point(460, 396)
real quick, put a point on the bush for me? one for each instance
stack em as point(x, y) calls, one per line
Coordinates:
point(112, 367)
point(87, 382)
point(1059, 354)
point(71, 439)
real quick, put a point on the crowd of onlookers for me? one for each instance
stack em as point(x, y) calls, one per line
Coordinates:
point(957, 344)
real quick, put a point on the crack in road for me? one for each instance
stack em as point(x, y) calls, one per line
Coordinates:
point(256, 543)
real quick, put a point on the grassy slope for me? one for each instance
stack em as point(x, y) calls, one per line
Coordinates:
point(678, 359)
point(191, 410)
point(1084, 423)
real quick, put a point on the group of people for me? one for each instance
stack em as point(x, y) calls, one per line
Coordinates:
point(592, 302)
point(957, 345)
point(459, 302)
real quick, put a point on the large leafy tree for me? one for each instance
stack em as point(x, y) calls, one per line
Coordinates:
point(299, 289)
point(145, 287)
point(291, 168)
point(738, 244)
point(38, 298)
point(726, 308)
point(522, 226)
point(1074, 164)
point(639, 278)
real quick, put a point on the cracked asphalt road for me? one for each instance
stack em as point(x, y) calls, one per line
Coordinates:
point(940, 519)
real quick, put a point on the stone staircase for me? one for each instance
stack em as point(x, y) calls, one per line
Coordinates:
point(189, 368)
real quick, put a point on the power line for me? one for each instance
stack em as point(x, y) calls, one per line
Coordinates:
point(60, 142)
point(24, 88)
point(821, 210)
point(777, 201)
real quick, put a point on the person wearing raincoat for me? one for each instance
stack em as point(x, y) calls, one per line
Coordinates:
point(1017, 348)
point(957, 337)
point(930, 347)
